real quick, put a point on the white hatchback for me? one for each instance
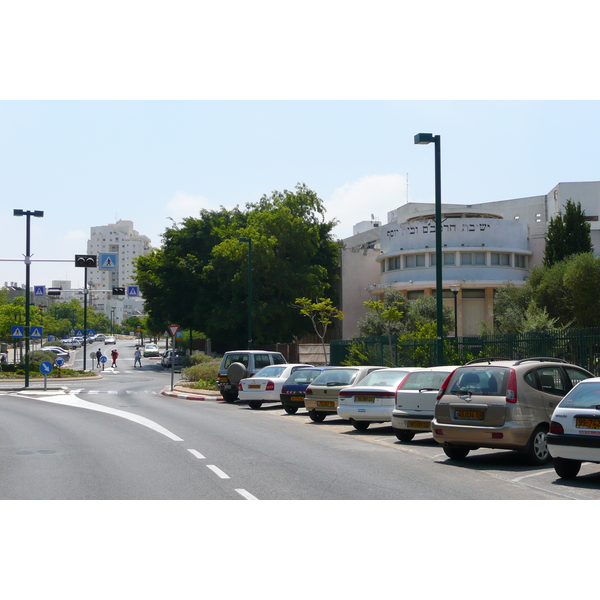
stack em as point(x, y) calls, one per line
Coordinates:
point(574, 435)
point(266, 385)
point(415, 402)
point(372, 399)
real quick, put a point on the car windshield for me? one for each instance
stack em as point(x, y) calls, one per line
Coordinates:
point(425, 380)
point(584, 395)
point(150, 346)
point(336, 377)
point(272, 371)
point(481, 381)
point(232, 358)
point(383, 378)
point(302, 376)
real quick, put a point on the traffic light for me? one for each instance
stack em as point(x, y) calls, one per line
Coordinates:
point(118, 291)
point(86, 260)
point(53, 291)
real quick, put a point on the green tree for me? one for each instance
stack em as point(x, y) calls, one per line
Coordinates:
point(386, 316)
point(567, 235)
point(320, 314)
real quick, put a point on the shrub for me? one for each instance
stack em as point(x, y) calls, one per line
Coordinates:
point(206, 371)
point(197, 359)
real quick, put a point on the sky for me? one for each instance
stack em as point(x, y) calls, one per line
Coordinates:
point(91, 163)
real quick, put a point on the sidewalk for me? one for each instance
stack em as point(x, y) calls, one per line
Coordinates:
point(180, 391)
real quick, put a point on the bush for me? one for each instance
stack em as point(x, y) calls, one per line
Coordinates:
point(198, 359)
point(205, 371)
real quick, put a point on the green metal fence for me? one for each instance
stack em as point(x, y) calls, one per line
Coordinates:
point(577, 346)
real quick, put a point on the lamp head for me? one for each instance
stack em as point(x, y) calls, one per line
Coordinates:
point(424, 138)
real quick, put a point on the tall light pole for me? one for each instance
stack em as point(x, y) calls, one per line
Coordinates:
point(249, 242)
point(454, 289)
point(427, 138)
point(27, 213)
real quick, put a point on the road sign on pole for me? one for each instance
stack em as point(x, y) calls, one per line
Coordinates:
point(39, 290)
point(17, 331)
point(133, 291)
point(173, 329)
point(36, 332)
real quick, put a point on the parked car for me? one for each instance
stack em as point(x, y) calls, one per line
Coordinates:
point(109, 339)
point(415, 402)
point(72, 343)
point(371, 400)
point(292, 392)
point(167, 360)
point(574, 435)
point(507, 404)
point(151, 350)
point(64, 354)
point(321, 396)
point(99, 337)
point(266, 385)
point(240, 364)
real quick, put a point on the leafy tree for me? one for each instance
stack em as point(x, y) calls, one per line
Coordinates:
point(198, 278)
point(567, 235)
point(385, 316)
point(320, 314)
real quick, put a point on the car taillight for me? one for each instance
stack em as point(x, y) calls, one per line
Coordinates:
point(556, 427)
point(511, 387)
point(402, 382)
point(444, 386)
point(240, 388)
point(270, 386)
point(308, 392)
point(343, 394)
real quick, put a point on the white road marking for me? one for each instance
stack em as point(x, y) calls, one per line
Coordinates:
point(530, 475)
point(246, 495)
point(196, 453)
point(70, 400)
point(94, 392)
point(218, 471)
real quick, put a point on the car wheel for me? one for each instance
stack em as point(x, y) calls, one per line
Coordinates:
point(537, 449)
point(360, 425)
point(290, 410)
point(254, 404)
point(229, 396)
point(404, 435)
point(456, 452)
point(316, 416)
point(567, 468)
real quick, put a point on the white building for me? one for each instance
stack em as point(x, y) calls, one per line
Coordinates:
point(484, 246)
point(116, 245)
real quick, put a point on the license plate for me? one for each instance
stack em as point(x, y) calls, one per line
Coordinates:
point(223, 379)
point(297, 398)
point(418, 424)
point(587, 423)
point(469, 414)
point(364, 398)
point(325, 403)
point(254, 386)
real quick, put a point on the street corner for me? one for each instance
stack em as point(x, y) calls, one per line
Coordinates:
point(188, 394)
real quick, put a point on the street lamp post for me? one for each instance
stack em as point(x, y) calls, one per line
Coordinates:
point(27, 213)
point(249, 242)
point(427, 138)
point(454, 289)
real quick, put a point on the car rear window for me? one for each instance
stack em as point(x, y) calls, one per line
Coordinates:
point(383, 378)
point(334, 377)
point(302, 376)
point(585, 395)
point(232, 358)
point(481, 381)
point(425, 380)
point(272, 371)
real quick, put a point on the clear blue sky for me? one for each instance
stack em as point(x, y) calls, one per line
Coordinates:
point(161, 112)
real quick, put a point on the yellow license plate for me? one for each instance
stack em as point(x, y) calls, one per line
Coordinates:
point(325, 403)
point(418, 424)
point(223, 379)
point(297, 398)
point(254, 386)
point(364, 398)
point(469, 414)
point(587, 423)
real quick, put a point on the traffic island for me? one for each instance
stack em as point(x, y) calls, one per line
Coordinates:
point(186, 393)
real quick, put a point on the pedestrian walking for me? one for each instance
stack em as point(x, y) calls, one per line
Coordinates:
point(138, 357)
point(114, 355)
point(98, 357)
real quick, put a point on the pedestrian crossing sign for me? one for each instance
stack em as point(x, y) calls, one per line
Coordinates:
point(108, 261)
point(17, 331)
point(36, 332)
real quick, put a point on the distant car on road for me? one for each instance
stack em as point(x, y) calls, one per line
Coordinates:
point(167, 360)
point(109, 339)
point(151, 350)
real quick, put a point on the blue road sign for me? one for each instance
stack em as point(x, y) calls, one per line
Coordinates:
point(133, 291)
point(103, 359)
point(91, 332)
point(108, 261)
point(79, 333)
point(39, 290)
point(46, 367)
point(59, 362)
point(17, 331)
point(35, 332)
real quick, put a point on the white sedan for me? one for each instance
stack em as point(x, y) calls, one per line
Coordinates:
point(574, 435)
point(372, 399)
point(266, 385)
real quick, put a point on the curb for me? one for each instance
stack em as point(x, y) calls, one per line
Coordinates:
point(197, 397)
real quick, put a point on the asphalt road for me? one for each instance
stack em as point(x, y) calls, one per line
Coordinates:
point(117, 437)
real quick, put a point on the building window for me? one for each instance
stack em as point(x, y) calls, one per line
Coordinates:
point(415, 260)
point(394, 263)
point(415, 294)
point(472, 258)
point(383, 266)
point(501, 259)
point(520, 261)
point(473, 293)
point(449, 258)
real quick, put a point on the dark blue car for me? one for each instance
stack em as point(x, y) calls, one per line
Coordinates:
point(292, 392)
